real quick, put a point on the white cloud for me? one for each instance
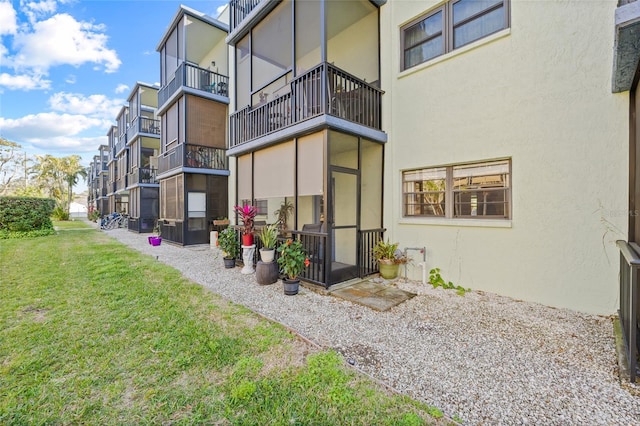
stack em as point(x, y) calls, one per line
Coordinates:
point(71, 79)
point(23, 82)
point(96, 106)
point(38, 9)
point(72, 145)
point(38, 128)
point(63, 40)
point(8, 21)
point(122, 88)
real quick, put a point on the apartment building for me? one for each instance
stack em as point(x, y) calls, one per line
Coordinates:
point(97, 180)
point(508, 150)
point(143, 143)
point(500, 136)
point(306, 126)
point(192, 106)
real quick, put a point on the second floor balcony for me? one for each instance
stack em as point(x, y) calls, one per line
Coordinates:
point(325, 89)
point(143, 175)
point(197, 78)
point(187, 156)
point(121, 183)
point(148, 126)
point(120, 146)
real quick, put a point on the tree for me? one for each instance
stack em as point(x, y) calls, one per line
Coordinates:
point(9, 164)
point(57, 176)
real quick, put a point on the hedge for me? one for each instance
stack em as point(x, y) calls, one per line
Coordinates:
point(25, 214)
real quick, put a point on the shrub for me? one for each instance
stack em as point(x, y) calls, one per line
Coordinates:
point(24, 216)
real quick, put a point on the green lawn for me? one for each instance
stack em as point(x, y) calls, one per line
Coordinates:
point(92, 332)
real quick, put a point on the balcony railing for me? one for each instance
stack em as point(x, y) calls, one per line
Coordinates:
point(143, 125)
point(324, 89)
point(122, 183)
point(143, 175)
point(193, 76)
point(193, 156)
point(122, 144)
point(239, 9)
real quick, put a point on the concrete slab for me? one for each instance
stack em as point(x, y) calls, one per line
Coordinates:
point(375, 295)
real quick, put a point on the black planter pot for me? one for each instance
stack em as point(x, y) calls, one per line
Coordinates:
point(291, 287)
point(229, 263)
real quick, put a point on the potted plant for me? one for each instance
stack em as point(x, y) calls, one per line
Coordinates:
point(156, 238)
point(268, 236)
point(247, 213)
point(228, 243)
point(389, 258)
point(292, 260)
point(286, 208)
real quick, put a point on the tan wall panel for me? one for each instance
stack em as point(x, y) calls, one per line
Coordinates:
point(274, 171)
point(311, 167)
point(206, 122)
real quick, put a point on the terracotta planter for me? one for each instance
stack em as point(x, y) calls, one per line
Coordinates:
point(247, 239)
point(291, 287)
point(267, 255)
point(229, 262)
point(388, 270)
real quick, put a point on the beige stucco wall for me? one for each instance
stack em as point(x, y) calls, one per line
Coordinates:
point(540, 94)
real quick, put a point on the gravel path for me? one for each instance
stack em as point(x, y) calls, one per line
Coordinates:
point(484, 358)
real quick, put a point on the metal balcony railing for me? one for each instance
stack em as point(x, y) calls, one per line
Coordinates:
point(324, 89)
point(193, 76)
point(193, 156)
point(239, 9)
point(143, 125)
point(120, 146)
point(144, 175)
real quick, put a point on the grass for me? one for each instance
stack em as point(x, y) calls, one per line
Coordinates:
point(92, 332)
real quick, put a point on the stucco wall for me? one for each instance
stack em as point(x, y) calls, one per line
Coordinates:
point(540, 94)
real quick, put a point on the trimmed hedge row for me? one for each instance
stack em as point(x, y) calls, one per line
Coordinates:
point(25, 214)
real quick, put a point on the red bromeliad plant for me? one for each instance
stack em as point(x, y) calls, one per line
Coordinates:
point(247, 213)
point(292, 258)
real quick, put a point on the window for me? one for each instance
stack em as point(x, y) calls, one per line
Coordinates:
point(453, 25)
point(478, 190)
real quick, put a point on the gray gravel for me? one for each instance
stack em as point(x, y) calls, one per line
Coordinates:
point(483, 358)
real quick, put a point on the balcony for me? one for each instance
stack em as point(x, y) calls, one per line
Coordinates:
point(194, 77)
point(143, 175)
point(325, 89)
point(239, 9)
point(194, 157)
point(148, 126)
point(121, 184)
point(120, 146)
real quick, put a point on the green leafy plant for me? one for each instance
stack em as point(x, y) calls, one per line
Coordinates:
point(269, 235)
point(292, 258)
point(286, 208)
point(387, 252)
point(228, 243)
point(436, 281)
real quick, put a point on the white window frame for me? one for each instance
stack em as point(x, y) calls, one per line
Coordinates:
point(446, 202)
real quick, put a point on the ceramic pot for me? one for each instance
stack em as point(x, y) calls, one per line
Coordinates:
point(388, 270)
point(291, 287)
point(267, 255)
point(247, 239)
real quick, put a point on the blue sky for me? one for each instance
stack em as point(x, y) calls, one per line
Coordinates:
point(67, 67)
